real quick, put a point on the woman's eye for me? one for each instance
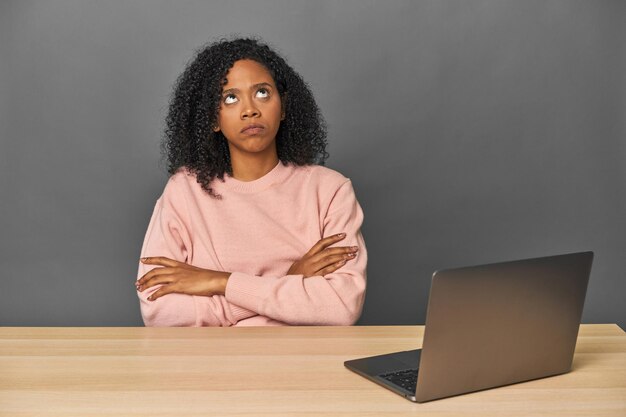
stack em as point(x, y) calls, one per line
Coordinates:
point(262, 93)
point(230, 99)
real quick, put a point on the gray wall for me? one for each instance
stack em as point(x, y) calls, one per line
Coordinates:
point(474, 131)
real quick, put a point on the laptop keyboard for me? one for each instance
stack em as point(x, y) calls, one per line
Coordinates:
point(406, 379)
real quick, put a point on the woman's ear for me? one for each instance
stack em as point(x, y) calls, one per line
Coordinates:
point(216, 127)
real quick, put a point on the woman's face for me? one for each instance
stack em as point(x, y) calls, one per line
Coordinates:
point(250, 109)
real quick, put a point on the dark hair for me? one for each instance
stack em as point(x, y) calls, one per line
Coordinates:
point(189, 139)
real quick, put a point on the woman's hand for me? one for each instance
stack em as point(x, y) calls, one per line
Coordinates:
point(322, 260)
point(179, 277)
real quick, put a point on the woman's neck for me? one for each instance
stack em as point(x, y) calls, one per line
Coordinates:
point(252, 167)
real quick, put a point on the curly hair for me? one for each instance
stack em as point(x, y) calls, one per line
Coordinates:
point(190, 140)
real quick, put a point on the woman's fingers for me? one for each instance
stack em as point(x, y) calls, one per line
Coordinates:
point(310, 265)
point(332, 259)
point(167, 264)
point(156, 280)
point(341, 250)
point(324, 243)
point(151, 274)
point(182, 278)
point(160, 260)
point(166, 289)
point(331, 268)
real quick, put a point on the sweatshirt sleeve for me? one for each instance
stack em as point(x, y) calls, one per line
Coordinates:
point(167, 236)
point(334, 299)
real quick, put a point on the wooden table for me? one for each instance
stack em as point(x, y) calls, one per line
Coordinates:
point(290, 371)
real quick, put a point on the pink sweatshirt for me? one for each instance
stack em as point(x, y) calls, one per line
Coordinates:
point(256, 231)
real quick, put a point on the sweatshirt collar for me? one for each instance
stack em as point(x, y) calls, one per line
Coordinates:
point(277, 175)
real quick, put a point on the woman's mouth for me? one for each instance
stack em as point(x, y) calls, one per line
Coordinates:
point(253, 129)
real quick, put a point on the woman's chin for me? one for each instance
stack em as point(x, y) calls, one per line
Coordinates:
point(256, 145)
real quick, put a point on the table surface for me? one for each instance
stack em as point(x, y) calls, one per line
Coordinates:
point(288, 371)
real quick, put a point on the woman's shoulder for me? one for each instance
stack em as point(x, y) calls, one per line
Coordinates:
point(180, 180)
point(324, 175)
point(180, 186)
point(327, 184)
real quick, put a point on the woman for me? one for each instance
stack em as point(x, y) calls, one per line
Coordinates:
point(243, 233)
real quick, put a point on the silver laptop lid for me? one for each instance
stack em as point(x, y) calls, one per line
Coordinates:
point(498, 324)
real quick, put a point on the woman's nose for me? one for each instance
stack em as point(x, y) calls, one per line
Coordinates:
point(250, 110)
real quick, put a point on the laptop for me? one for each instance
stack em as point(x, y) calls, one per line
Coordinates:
point(488, 326)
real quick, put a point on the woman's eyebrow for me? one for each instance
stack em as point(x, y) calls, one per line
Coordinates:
point(254, 86)
point(263, 84)
point(230, 90)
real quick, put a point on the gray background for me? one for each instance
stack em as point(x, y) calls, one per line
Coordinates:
point(474, 131)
